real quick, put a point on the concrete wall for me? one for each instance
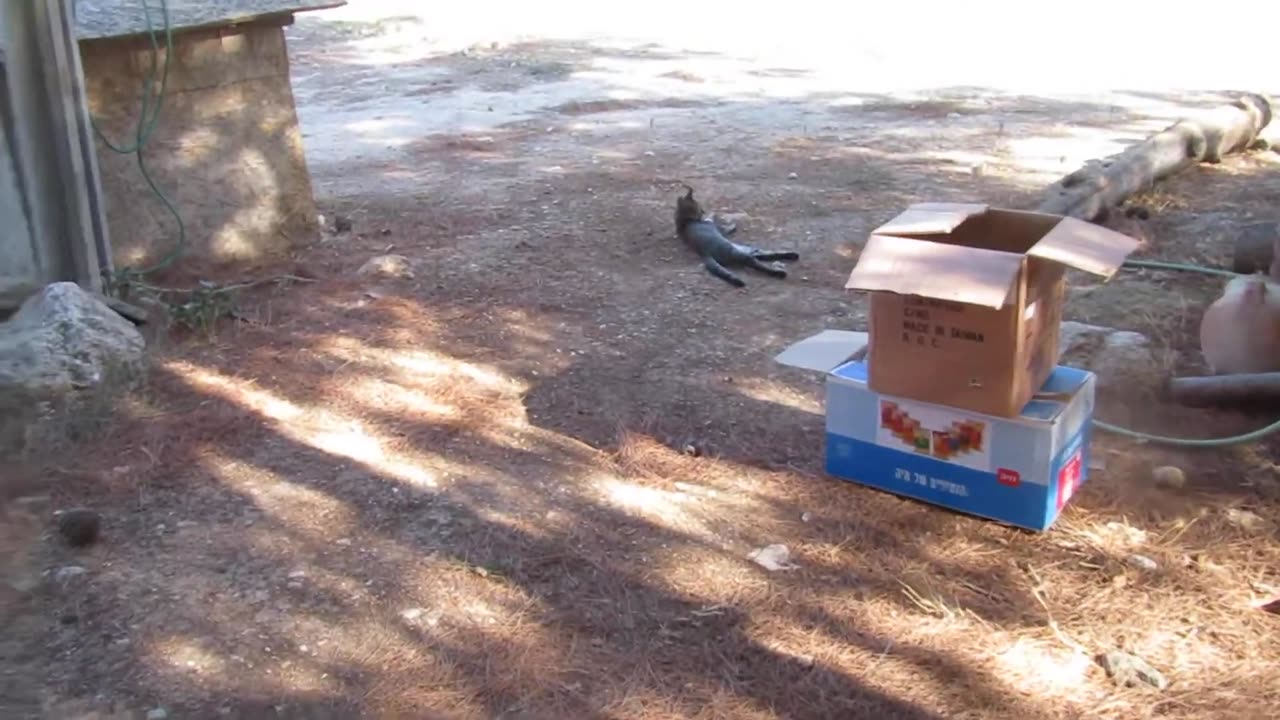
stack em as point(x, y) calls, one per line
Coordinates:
point(23, 260)
point(17, 254)
point(50, 225)
point(227, 149)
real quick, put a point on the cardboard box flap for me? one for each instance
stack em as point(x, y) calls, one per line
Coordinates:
point(823, 352)
point(1085, 246)
point(944, 272)
point(930, 219)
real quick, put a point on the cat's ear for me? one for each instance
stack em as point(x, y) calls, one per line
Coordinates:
point(688, 195)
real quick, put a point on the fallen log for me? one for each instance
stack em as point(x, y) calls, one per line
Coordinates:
point(1091, 191)
point(1244, 389)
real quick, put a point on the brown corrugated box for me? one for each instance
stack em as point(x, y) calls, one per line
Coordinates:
point(966, 300)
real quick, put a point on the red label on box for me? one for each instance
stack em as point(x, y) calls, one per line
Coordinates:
point(1008, 477)
point(1068, 479)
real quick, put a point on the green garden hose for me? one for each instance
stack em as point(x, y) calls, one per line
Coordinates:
point(146, 125)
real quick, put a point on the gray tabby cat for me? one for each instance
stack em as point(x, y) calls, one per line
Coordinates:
point(718, 253)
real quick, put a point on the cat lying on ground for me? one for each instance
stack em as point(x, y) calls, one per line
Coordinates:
point(718, 253)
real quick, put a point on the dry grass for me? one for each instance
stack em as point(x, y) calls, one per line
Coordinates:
point(1157, 200)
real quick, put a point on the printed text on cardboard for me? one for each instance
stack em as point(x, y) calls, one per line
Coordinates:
point(921, 326)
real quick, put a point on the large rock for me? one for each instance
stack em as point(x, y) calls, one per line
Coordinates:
point(65, 357)
point(1122, 359)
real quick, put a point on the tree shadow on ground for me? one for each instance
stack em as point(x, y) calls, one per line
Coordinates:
point(582, 605)
point(603, 621)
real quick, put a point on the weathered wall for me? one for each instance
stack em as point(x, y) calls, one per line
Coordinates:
point(17, 254)
point(24, 125)
point(227, 149)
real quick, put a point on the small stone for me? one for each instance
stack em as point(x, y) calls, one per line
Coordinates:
point(692, 450)
point(1169, 476)
point(342, 541)
point(297, 574)
point(63, 574)
point(648, 153)
point(1142, 562)
point(806, 517)
point(384, 232)
point(412, 614)
point(1129, 670)
point(773, 557)
point(157, 714)
point(1130, 534)
point(792, 176)
point(341, 223)
point(393, 266)
point(1245, 519)
point(79, 526)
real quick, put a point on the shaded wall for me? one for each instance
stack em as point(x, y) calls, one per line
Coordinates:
point(21, 261)
point(227, 149)
point(50, 224)
point(17, 253)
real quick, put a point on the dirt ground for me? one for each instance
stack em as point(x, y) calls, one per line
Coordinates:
point(467, 493)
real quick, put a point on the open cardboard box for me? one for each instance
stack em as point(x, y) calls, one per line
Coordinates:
point(966, 300)
point(1021, 471)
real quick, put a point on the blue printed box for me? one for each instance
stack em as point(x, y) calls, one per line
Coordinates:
point(1021, 471)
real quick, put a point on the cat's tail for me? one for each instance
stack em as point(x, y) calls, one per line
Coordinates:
point(777, 256)
point(720, 271)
